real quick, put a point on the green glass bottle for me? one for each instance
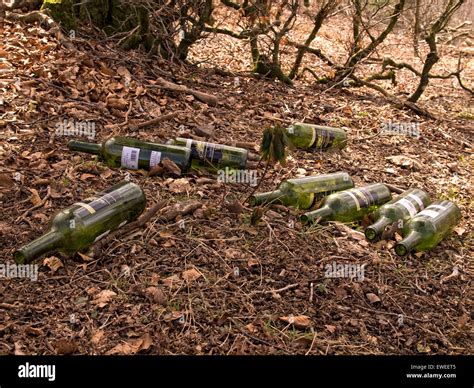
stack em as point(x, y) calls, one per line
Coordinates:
point(83, 223)
point(316, 137)
point(211, 155)
point(399, 210)
point(350, 205)
point(303, 193)
point(134, 154)
point(429, 227)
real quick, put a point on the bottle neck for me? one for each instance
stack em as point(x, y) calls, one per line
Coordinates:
point(317, 216)
point(268, 197)
point(374, 231)
point(44, 244)
point(82, 146)
point(408, 243)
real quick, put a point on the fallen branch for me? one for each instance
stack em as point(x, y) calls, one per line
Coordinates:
point(395, 100)
point(127, 229)
point(288, 287)
point(154, 121)
point(169, 213)
point(394, 189)
point(201, 96)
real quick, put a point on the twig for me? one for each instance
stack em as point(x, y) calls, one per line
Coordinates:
point(154, 121)
point(43, 201)
point(204, 97)
point(288, 287)
point(394, 189)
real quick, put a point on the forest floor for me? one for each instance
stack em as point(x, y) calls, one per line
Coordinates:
point(215, 283)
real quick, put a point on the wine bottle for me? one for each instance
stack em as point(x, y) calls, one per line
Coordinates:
point(211, 155)
point(316, 137)
point(134, 154)
point(83, 223)
point(349, 205)
point(399, 210)
point(303, 193)
point(428, 227)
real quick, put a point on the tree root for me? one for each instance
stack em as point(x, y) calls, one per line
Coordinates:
point(209, 99)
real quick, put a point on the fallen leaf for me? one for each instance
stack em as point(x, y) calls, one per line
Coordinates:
point(65, 346)
point(132, 346)
point(103, 297)
point(191, 275)
point(97, 336)
point(34, 331)
point(53, 263)
point(170, 167)
point(252, 262)
point(330, 328)
point(85, 177)
point(157, 295)
point(459, 230)
point(35, 198)
point(6, 181)
point(165, 233)
point(300, 321)
point(117, 103)
point(179, 186)
point(173, 316)
point(171, 281)
point(372, 297)
point(463, 320)
point(84, 257)
point(422, 348)
point(251, 328)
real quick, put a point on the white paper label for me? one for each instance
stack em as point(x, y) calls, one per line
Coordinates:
point(291, 130)
point(417, 199)
point(130, 157)
point(408, 205)
point(429, 213)
point(354, 198)
point(155, 158)
point(189, 143)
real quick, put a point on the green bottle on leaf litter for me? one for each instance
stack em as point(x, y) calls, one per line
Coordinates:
point(316, 137)
point(83, 223)
point(350, 205)
point(399, 210)
point(429, 227)
point(134, 154)
point(304, 193)
point(211, 155)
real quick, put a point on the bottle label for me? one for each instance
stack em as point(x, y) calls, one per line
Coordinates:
point(96, 204)
point(130, 157)
point(322, 140)
point(208, 152)
point(432, 211)
point(189, 143)
point(155, 158)
point(408, 206)
point(362, 197)
point(89, 208)
point(313, 137)
point(291, 131)
point(417, 199)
